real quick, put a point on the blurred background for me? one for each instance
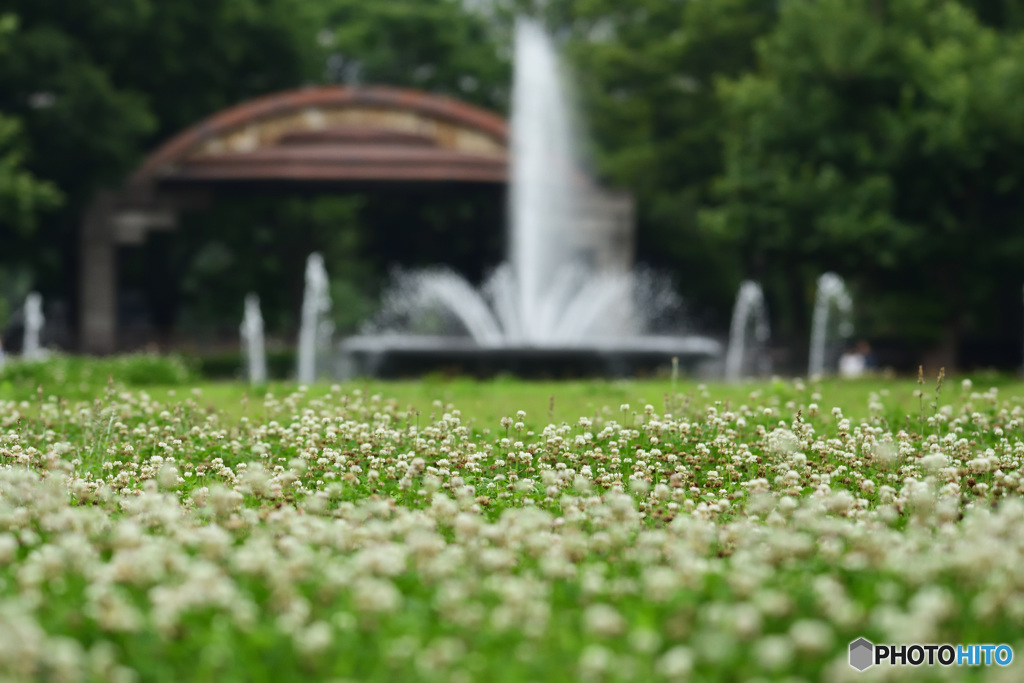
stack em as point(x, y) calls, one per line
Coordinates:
point(881, 140)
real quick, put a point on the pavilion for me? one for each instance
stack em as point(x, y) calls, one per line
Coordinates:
point(332, 139)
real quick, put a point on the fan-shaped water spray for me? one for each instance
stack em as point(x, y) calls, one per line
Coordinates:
point(316, 329)
point(252, 341)
point(544, 296)
point(545, 189)
point(749, 335)
point(828, 332)
point(579, 305)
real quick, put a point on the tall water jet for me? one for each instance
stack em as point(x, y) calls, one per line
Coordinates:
point(567, 290)
point(316, 329)
point(252, 341)
point(34, 320)
point(827, 333)
point(546, 294)
point(546, 187)
point(749, 335)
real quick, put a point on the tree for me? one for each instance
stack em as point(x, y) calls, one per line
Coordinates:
point(22, 195)
point(437, 46)
point(881, 140)
point(255, 243)
point(98, 83)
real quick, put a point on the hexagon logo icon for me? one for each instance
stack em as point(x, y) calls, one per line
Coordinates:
point(862, 653)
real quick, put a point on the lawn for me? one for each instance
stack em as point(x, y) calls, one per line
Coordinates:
point(430, 531)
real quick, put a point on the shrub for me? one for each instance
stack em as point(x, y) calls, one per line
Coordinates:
point(76, 375)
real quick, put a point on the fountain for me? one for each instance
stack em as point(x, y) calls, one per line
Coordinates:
point(252, 341)
point(546, 303)
point(316, 329)
point(749, 335)
point(826, 339)
point(34, 319)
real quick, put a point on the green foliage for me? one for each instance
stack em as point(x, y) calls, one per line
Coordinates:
point(98, 83)
point(260, 244)
point(231, 364)
point(880, 140)
point(436, 46)
point(83, 376)
point(22, 195)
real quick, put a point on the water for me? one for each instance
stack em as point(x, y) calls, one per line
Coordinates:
point(749, 335)
point(316, 329)
point(828, 332)
point(252, 341)
point(545, 194)
point(34, 320)
point(578, 307)
point(544, 295)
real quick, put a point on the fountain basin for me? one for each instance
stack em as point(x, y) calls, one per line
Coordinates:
point(402, 356)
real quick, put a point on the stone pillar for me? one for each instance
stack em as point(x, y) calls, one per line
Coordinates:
point(97, 296)
point(604, 231)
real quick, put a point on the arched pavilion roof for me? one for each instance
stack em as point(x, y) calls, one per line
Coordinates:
point(336, 133)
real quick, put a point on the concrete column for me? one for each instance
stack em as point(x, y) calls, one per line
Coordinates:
point(97, 297)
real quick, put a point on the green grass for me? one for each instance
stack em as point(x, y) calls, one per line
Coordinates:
point(483, 403)
point(415, 531)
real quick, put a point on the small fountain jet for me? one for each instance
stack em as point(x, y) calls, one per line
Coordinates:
point(316, 329)
point(252, 341)
point(828, 333)
point(749, 335)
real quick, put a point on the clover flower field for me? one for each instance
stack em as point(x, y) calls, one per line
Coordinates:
point(347, 537)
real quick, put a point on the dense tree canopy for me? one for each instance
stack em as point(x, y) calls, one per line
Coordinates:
point(648, 72)
point(435, 46)
point(22, 195)
point(96, 84)
point(883, 141)
point(761, 139)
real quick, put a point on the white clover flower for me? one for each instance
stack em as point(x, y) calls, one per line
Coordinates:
point(782, 441)
point(603, 621)
point(639, 486)
point(885, 453)
point(316, 638)
point(8, 548)
point(811, 636)
point(981, 465)
point(376, 596)
point(934, 462)
point(439, 655)
point(168, 477)
point(595, 662)
point(787, 504)
point(676, 664)
point(773, 652)
point(388, 559)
